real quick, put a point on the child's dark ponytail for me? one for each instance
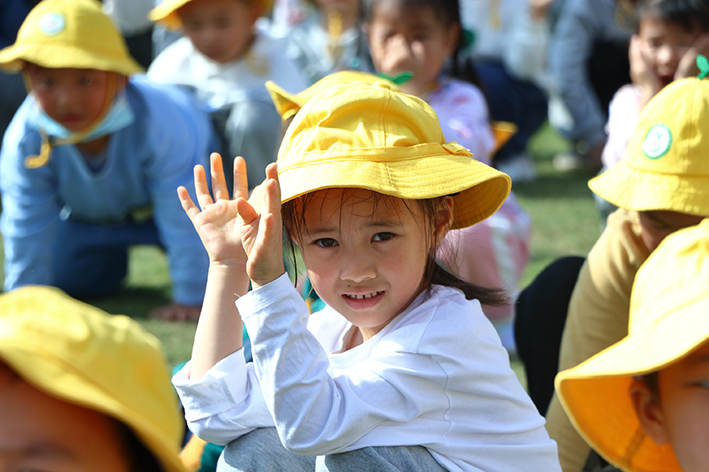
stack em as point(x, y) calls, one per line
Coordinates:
point(486, 296)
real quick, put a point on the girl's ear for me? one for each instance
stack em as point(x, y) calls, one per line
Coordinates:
point(444, 219)
point(649, 411)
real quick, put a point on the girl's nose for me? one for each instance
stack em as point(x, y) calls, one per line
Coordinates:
point(357, 267)
point(398, 51)
point(668, 55)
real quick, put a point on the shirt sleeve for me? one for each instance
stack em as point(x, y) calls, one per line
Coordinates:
point(30, 210)
point(225, 403)
point(181, 137)
point(597, 318)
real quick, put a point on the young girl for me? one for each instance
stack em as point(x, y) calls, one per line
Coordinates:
point(400, 370)
point(421, 37)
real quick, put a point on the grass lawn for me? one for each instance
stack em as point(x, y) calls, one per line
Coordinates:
point(564, 222)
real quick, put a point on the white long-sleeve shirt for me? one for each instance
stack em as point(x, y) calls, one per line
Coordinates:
point(435, 376)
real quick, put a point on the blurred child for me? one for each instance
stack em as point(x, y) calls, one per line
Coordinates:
point(670, 35)
point(660, 186)
point(641, 403)
point(82, 390)
point(329, 40)
point(226, 60)
point(421, 37)
point(91, 159)
point(399, 368)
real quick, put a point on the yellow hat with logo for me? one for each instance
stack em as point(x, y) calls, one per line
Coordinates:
point(665, 166)
point(72, 34)
point(82, 355)
point(668, 321)
point(167, 15)
point(360, 135)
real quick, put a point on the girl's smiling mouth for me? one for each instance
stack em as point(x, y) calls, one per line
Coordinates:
point(362, 301)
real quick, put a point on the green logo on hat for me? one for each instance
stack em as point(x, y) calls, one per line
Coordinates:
point(52, 24)
point(657, 141)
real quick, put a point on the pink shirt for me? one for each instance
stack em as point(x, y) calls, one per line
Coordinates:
point(623, 113)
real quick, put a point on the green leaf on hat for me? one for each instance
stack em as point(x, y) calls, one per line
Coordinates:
point(703, 65)
point(398, 79)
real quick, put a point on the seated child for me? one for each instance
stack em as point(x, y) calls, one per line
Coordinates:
point(401, 367)
point(641, 403)
point(669, 36)
point(329, 39)
point(661, 185)
point(82, 390)
point(90, 161)
point(226, 60)
point(495, 252)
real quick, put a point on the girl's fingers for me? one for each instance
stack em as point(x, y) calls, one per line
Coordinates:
point(201, 187)
point(246, 211)
point(187, 203)
point(241, 184)
point(218, 180)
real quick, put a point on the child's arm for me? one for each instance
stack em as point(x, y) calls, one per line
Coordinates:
point(219, 331)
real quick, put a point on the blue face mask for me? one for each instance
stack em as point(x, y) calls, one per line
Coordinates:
point(119, 116)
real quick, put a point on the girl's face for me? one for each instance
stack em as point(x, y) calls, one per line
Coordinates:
point(222, 30)
point(410, 40)
point(664, 44)
point(365, 259)
point(656, 225)
point(74, 98)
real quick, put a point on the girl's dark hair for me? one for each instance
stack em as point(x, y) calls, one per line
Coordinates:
point(139, 456)
point(448, 12)
point(294, 224)
point(690, 15)
point(653, 386)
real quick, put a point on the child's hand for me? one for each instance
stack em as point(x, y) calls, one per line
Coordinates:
point(688, 64)
point(216, 222)
point(262, 230)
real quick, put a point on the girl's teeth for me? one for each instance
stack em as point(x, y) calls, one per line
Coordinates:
point(362, 297)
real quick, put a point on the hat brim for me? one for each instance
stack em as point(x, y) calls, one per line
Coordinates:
point(638, 190)
point(166, 14)
point(45, 373)
point(58, 56)
point(287, 104)
point(478, 190)
point(595, 393)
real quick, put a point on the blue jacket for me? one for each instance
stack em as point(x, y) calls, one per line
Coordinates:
point(145, 163)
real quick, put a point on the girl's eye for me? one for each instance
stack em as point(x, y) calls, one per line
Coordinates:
point(86, 81)
point(383, 236)
point(326, 242)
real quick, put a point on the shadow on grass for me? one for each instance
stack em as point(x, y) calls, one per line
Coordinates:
point(136, 302)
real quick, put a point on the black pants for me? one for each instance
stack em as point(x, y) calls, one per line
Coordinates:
point(539, 323)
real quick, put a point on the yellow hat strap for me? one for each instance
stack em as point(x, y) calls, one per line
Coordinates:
point(48, 142)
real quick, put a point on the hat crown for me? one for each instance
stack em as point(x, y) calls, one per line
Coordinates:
point(358, 115)
point(671, 133)
point(659, 291)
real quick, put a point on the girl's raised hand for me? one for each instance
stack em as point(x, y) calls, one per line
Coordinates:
point(262, 230)
point(216, 218)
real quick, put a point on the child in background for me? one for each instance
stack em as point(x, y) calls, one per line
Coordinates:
point(329, 40)
point(641, 403)
point(420, 37)
point(670, 34)
point(82, 390)
point(226, 60)
point(660, 186)
point(90, 161)
point(399, 368)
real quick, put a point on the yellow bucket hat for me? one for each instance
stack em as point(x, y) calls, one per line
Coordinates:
point(665, 166)
point(668, 320)
point(166, 13)
point(358, 135)
point(69, 33)
point(79, 354)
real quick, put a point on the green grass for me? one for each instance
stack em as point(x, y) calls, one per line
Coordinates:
point(564, 222)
